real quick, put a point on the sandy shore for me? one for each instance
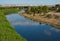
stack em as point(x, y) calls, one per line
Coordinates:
point(50, 21)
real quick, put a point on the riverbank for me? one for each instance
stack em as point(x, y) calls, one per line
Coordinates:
point(38, 18)
point(7, 32)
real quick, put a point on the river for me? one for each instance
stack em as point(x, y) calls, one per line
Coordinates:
point(32, 30)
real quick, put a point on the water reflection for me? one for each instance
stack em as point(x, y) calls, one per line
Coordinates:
point(33, 31)
point(47, 32)
point(24, 23)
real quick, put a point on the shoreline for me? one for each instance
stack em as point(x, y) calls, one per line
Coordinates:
point(51, 21)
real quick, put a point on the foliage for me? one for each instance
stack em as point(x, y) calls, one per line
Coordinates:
point(39, 9)
point(45, 9)
point(49, 15)
point(58, 10)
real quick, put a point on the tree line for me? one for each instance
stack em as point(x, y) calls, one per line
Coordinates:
point(42, 10)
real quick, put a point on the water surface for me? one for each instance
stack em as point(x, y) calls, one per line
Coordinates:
point(33, 31)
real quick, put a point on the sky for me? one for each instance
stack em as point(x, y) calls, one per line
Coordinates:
point(28, 2)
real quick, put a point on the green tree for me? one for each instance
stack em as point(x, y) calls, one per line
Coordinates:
point(45, 9)
point(32, 10)
point(58, 9)
point(40, 9)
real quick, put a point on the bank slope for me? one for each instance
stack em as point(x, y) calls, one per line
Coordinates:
point(7, 33)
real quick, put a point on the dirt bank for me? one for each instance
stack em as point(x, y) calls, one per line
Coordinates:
point(50, 21)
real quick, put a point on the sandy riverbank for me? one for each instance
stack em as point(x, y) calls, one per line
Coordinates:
point(50, 21)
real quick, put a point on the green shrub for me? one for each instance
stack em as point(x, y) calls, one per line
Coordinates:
point(49, 15)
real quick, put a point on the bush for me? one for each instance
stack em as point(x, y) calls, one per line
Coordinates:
point(49, 15)
point(58, 10)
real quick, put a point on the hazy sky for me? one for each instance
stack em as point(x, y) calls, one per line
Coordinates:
point(26, 2)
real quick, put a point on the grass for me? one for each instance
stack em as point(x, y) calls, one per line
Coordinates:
point(7, 32)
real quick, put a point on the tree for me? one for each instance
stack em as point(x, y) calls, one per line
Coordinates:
point(45, 9)
point(32, 10)
point(40, 9)
point(58, 9)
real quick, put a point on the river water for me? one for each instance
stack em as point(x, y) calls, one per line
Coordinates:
point(32, 30)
